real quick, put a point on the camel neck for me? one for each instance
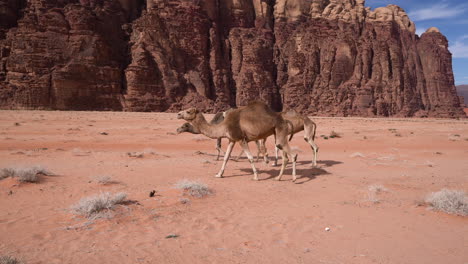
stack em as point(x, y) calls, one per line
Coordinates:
point(207, 129)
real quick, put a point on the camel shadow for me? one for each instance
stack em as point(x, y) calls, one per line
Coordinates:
point(303, 175)
point(326, 163)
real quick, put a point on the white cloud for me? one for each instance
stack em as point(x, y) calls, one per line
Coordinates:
point(438, 11)
point(460, 48)
point(419, 32)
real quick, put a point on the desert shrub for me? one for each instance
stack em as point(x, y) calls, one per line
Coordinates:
point(9, 260)
point(136, 154)
point(93, 205)
point(103, 179)
point(449, 201)
point(193, 188)
point(377, 188)
point(374, 190)
point(334, 134)
point(28, 174)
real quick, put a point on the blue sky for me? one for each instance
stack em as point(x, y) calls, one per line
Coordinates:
point(450, 16)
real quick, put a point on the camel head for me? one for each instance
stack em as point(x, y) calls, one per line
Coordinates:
point(188, 115)
point(187, 127)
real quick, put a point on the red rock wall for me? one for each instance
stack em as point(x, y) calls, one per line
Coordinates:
point(324, 57)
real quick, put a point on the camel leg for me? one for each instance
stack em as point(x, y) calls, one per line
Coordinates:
point(286, 152)
point(283, 166)
point(276, 157)
point(264, 151)
point(246, 149)
point(218, 147)
point(315, 150)
point(226, 158)
point(283, 145)
point(259, 149)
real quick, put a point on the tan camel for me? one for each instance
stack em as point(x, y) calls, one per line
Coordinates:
point(256, 121)
point(261, 150)
point(187, 127)
point(300, 123)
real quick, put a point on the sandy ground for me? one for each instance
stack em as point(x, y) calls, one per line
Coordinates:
point(243, 221)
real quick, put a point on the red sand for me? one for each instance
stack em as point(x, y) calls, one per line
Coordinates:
point(243, 221)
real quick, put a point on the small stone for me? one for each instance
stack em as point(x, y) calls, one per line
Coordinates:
point(327, 229)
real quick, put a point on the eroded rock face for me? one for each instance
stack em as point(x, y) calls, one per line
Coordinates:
point(325, 57)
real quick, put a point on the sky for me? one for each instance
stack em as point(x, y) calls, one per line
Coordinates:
point(449, 16)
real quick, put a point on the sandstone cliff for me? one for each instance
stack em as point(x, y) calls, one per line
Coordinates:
point(324, 57)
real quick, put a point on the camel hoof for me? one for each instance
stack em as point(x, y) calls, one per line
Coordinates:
point(277, 178)
point(218, 176)
point(255, 179)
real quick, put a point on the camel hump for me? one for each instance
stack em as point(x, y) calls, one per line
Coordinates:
point(218, 118)
point(290, 112)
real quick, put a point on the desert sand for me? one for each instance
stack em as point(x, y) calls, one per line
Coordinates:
point(243, 221)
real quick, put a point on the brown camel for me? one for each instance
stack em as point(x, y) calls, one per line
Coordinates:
point(256, 121)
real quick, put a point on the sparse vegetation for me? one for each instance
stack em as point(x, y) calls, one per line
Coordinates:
point(9, 260)
point(454, 137)
point(28, 174)
point(92, 206)
point(184, 200)
point(357, 154)
point(104, 179)
point(334, 134)
point(374, 190)
point(377, 188)
point(449, 201)
point(136, 154)
point(193, 188)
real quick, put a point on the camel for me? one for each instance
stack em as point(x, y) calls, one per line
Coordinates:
point(187, 127)
point(256, 121)
point(298, 122)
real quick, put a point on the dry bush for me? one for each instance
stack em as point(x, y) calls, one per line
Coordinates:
point(334, 134)
point(136, 154)
point(93, 205)
point(357, 154)
point(9, 260)
point(449, 201)
point(28, 174)
point(193, 188)
point(104, 179)
point(374, 190)
point(377, 188)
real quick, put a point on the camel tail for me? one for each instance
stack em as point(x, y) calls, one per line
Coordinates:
point(310, 127)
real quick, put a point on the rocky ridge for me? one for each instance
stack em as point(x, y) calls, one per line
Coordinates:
point(322, 57)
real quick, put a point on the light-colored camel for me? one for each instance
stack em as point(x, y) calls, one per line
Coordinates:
point(188, 128)
point(256, 121)
point(299, 123)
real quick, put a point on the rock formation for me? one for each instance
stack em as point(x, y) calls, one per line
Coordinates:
point(324, 57)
